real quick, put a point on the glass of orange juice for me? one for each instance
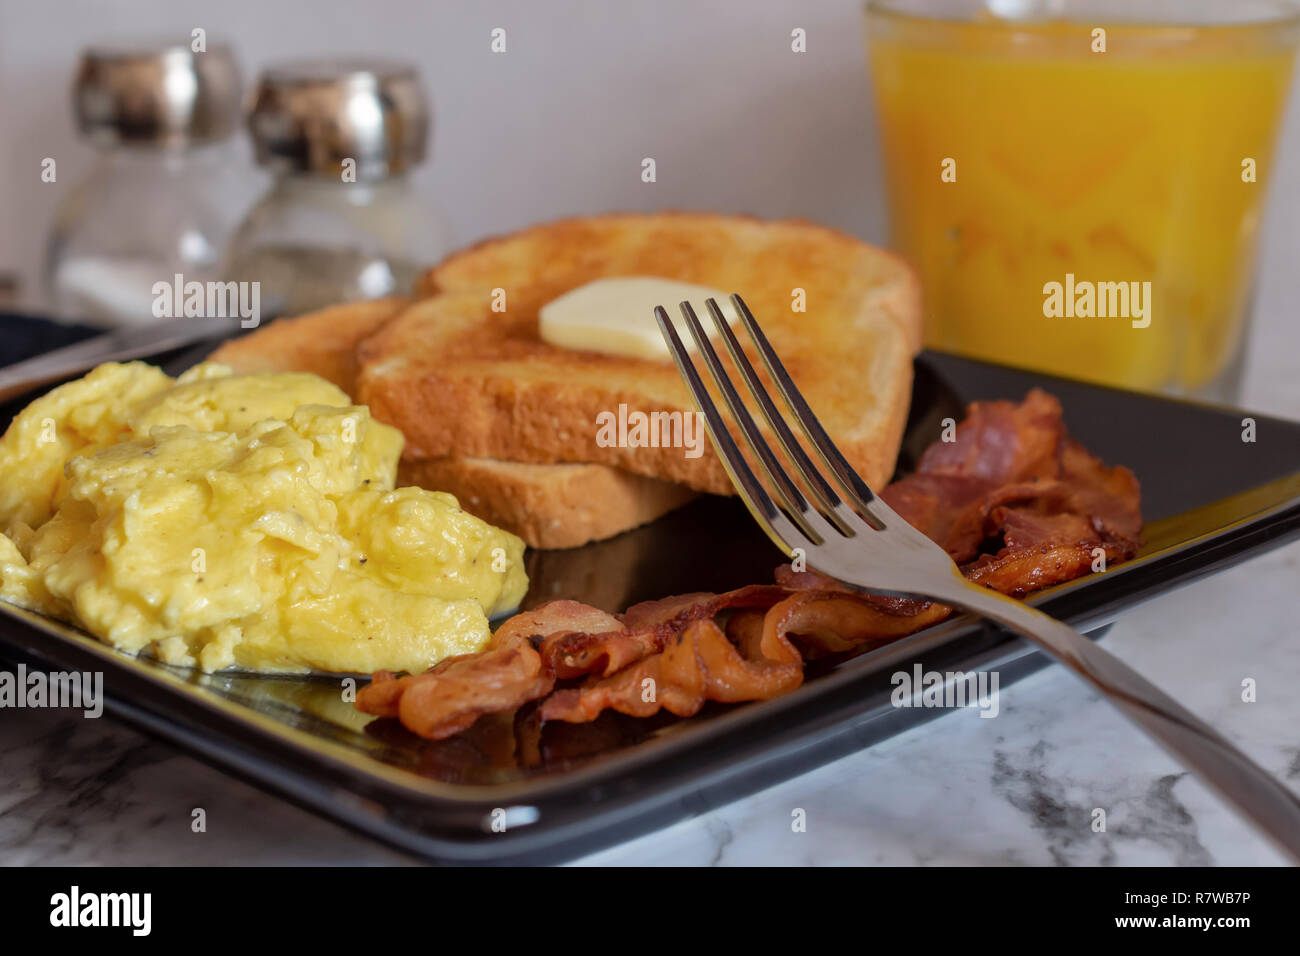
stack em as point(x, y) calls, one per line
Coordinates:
point(1080, 184)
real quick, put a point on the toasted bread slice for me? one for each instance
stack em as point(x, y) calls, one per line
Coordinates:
point(461, 379)
point(549, 506)
point(323, 343)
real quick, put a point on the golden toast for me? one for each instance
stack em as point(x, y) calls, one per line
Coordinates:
point(549, 506)
point(460, 379)
point(323, 343)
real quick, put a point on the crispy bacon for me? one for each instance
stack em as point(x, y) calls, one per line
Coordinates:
point(507, 673)
point(1001, 441)
point(1013, 478)
point(829, 622)
point(1016, 502)
point(700, 664)
point(645, 628)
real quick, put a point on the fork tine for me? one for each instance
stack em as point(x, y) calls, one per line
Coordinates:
point(844, 517)
point(859, 493)
point(769, 517)
point(796, 506)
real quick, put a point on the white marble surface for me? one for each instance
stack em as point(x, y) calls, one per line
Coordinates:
point(1018, 789)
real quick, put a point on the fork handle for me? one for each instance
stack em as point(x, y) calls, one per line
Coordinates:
point(1255, 792)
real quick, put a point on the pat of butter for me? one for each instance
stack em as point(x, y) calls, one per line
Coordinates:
point(616, 315)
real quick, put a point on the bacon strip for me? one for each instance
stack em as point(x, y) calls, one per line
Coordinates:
point(1013, 476)
point(829, 622)
point(1013, 500)
point(701, 664)
point(754, 659)
point(644, 630)
point(504, 675)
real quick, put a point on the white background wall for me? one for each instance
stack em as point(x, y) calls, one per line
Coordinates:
point(556, 126)
point(559, 124)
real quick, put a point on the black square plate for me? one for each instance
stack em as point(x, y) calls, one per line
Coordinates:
point(1210, 500)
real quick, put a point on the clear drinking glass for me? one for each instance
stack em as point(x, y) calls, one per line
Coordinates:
point(1081, 184)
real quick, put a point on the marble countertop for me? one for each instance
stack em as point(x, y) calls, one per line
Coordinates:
point(1019, 789)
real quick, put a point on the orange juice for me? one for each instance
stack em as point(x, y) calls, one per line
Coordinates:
point(1021, 161)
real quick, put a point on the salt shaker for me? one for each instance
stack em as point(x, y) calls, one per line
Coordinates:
point(342, 220)
point(154, 205)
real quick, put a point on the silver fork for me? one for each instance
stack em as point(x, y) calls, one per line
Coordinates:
point(851, 534)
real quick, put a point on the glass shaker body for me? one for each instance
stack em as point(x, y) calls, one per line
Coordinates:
point(158, 200)
point(143, 215)
point(314, 241)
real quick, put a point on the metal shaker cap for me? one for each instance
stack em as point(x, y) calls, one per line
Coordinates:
point(156, 93)
point(310, 116)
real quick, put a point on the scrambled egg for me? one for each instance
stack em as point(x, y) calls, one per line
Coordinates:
point(247, 520)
